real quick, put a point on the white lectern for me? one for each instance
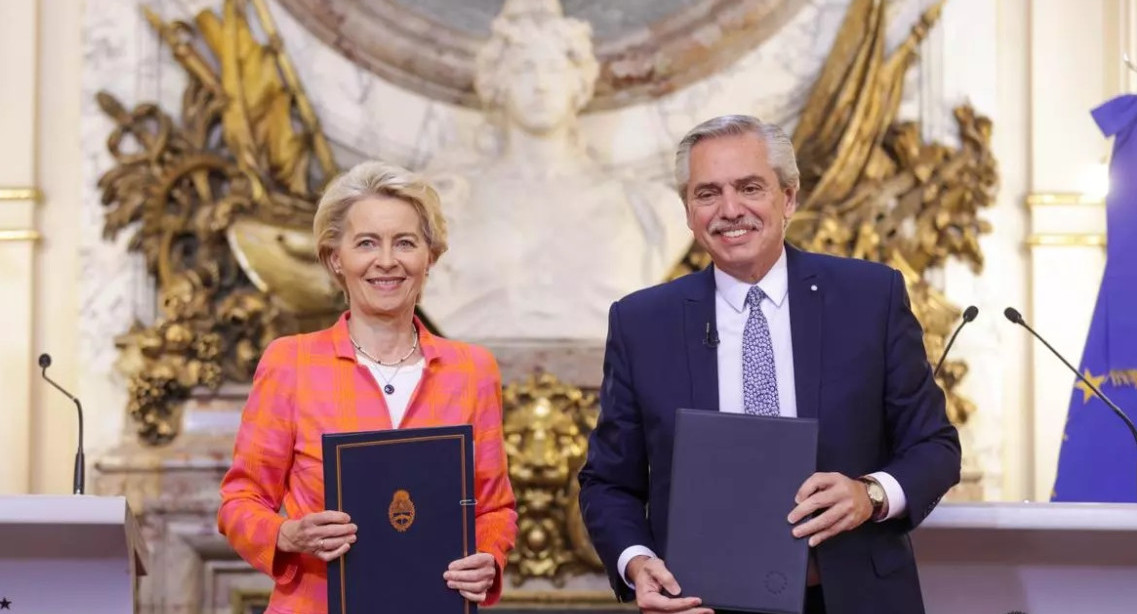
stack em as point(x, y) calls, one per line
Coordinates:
point(73, 554)
point(1036, 558)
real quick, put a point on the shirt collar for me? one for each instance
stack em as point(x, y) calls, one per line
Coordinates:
point(775, 284)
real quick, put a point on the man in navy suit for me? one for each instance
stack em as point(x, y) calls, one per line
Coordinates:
point(831, 338)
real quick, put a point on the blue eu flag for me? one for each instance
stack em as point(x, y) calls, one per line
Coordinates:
point(1098, 460)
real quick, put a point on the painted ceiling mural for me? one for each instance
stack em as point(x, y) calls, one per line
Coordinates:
point(646, 48)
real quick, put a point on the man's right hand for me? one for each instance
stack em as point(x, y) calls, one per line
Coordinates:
point(650, 577)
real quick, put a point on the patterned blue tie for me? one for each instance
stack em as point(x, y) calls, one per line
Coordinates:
point(759, 381)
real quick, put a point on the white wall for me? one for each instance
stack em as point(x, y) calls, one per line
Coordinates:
point(41, 60)
point(987, 73)
point(18, 198)
point(1011, 436)
point(1075, 65)
point(59, 158)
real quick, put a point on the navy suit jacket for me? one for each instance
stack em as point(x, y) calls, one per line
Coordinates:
point(860, 368)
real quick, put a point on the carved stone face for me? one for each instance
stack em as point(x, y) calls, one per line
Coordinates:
point(544, 445)
point(538, 69)
point(543, 94)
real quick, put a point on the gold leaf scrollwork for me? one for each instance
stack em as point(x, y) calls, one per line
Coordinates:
point(546, 428)
point(242, 151)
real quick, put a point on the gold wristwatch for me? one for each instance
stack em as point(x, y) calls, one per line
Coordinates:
point(876, 496)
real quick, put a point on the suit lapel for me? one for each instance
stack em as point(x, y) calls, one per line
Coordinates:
point(702, 356)
point(806, 298)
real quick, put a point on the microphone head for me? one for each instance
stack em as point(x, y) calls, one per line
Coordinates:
point(44, 361)
point(1013, 315)
point(970, 313)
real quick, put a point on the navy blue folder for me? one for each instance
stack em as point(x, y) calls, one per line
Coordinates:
point(733, 481)
point(411, 493)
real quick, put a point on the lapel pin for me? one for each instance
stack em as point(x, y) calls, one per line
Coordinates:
point(813, 288)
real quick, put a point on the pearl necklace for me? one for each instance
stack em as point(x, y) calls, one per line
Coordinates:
point(388, 388)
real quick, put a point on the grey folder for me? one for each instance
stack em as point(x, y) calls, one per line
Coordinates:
point(733, 481)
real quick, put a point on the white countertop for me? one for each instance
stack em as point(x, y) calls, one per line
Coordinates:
point(1034, 516)
point(62, 509)
point(106, 524)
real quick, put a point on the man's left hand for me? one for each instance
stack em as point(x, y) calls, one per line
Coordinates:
point(845, 501)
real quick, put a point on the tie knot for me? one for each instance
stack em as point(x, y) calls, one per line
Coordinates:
point(755, 296)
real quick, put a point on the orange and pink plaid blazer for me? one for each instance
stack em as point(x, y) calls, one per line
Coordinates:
point(308, 385)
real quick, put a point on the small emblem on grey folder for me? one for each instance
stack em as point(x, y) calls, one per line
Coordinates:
point(776, 582)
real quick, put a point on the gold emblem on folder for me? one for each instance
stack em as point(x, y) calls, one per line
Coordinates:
point(402, 511)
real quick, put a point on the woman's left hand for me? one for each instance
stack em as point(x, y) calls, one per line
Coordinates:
point(472, 576)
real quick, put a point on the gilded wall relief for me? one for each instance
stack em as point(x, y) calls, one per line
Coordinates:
point(547, 423)
point(246, 147)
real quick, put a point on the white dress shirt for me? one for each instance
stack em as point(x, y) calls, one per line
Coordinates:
point(731, 313)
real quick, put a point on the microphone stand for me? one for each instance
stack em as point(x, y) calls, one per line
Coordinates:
point(1014, 316)
point(968, 315)
point(78, 474)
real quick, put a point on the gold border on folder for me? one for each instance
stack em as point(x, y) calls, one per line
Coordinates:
point(339, 495)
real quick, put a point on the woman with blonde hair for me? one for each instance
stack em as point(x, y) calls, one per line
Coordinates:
point(379, 229)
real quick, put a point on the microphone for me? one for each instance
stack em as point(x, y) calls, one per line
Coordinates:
point(1013, 315)
point(711, 340)
point(78, 479)
point(968, 315)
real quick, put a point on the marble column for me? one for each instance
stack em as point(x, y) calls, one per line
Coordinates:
point(18, 237)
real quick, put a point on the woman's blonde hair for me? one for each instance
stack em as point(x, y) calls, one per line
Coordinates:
point(376, 180)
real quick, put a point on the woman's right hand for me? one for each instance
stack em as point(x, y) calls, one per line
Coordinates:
point(327, 535)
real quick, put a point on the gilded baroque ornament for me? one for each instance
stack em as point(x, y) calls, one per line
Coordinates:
point(247, 147)
point(872, 188)
point(546, 427)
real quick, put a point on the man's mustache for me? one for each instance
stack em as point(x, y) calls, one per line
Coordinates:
point(746, 222)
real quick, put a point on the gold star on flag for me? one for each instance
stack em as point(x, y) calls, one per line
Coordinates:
point(1087, 392)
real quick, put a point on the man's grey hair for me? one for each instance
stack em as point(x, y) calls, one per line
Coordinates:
point(779, 148)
